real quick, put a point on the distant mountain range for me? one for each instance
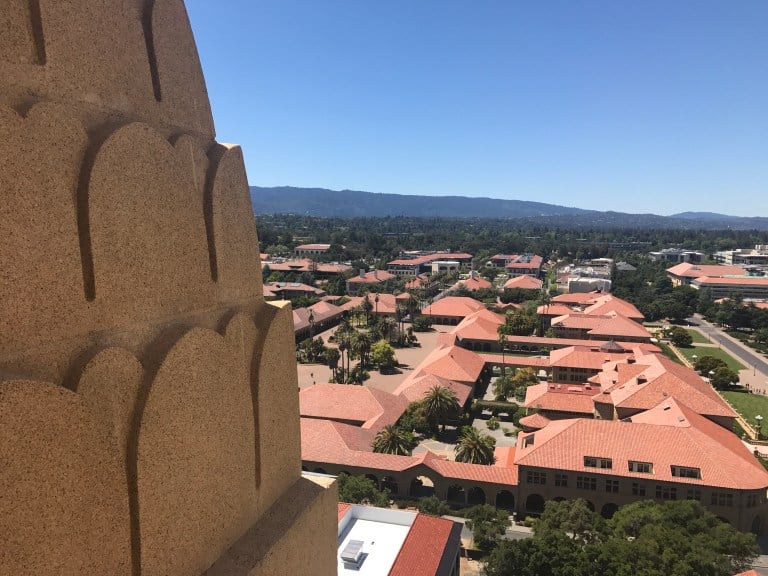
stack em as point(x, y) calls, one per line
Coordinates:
point(351, 203)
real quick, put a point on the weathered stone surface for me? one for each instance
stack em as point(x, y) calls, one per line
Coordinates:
point(147, 230)
point(183, 96)
point(41, 282)
point(64, 503)
point(110, 386)
point(233, 228)
point(129, 272)
point(196, 464)
point(278, 401)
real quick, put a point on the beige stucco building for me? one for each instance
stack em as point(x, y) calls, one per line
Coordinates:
point(148, 394)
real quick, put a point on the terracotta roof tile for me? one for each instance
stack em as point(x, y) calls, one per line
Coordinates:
point(458, 306)
point(366, 407)
point(690, 270)
point(416, 386)
point(452, 363)
point(523, 283)
point(561, 398)
point(695, 443)
point(423, 548)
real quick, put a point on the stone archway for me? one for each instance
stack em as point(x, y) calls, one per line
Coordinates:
point(590, 505)
point(390, 484)
point(534, 504)
point(457, 494)
point(608, 510)
point(506, 500)
point(475, 496)
point(422, 487)
point(757, 525)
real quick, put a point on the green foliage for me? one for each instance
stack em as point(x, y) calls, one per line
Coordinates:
point(503, 388)
point(724, 377)
point(488, 525)
point(493, 423)
point(360, 490)
point(440, 403)
point(475, 447)
point(497, 406)
point(383, 355)
point(422, 324)
point(433, 506)
point(520, 323)
point(645, 538)
point(415, 418)
point(680, 336)
point(705, 364)
point(394, 440)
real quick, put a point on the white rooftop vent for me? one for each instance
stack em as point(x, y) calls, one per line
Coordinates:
point(353, 553)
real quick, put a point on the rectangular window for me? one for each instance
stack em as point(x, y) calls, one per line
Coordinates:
point(561, 480)
point(586, 483)
point(641, 467)
point(612, 486)
point(666, 492)
point(693, 494)
point(686, 472)
point(638, 489)
point(721, 499)
point(536, 477)
point(595, 462)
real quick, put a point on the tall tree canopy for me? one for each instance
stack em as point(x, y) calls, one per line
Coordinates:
point(676, 538)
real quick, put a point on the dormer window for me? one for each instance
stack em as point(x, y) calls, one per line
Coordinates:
point(686, 472)
point(528, 440)
point(641, 467)
point(596, 462)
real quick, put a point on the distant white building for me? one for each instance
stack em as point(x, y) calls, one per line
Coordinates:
point(678, 255)
point(584, 284)
point(747, 256)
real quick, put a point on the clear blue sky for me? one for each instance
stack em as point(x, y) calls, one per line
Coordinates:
point(636, 106)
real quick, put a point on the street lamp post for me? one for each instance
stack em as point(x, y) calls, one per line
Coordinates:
point(711, 375)
point(759, 422)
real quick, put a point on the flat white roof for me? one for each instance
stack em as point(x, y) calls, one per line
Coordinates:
point(382, 532)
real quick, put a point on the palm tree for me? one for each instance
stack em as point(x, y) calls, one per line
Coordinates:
point(475, 448)
point(439, 403)
point(393, 440)
point(332, 356)
point(361, 345)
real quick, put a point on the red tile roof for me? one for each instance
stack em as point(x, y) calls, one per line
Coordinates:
point(455, 306)
point(665, 441)
point(372, 277)
point(422, 551)
point(534, 421)
point(689, 270)
point(562, 342)
point(452, 363)
point(425, 258)
point(561, 398)
point(651, 379)
point(610, 326)
point(343, 507)
point(576, 298)
point(313, 247)
point(306, 265)
point(366, 407)
point(523, 283)
point(473, 284)
point(583, 357)
point(553, 309)
point(416, 386)
point(741, 281)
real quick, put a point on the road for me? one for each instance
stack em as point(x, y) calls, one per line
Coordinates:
point(748, 357)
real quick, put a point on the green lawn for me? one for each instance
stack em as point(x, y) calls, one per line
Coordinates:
point(667, 351)
point(749, 406)
point(698, 337)
point(701, 351)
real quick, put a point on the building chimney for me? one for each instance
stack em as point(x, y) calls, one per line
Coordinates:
point(362, 272)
